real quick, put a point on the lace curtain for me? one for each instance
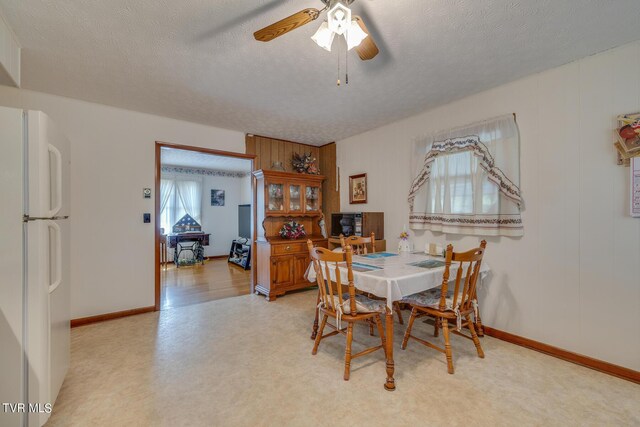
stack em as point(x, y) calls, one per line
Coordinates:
point(468, 181)
point(166, 192)
point(178, 197)
point(190, 195)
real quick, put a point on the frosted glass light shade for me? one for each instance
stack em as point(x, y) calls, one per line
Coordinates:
point(355, 35)
point(324, 36)
point(339, 17)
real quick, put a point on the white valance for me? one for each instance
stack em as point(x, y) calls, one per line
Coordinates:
point(468, 182)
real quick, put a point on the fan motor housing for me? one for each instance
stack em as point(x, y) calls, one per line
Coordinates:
point(330, 3)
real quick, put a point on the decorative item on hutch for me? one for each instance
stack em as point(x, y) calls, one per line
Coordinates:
point(277, 166)
point(292, 230)
point(304, 163)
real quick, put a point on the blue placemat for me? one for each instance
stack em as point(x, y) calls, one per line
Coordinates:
point(379, 255)
point(356, 266)
point(430, 263)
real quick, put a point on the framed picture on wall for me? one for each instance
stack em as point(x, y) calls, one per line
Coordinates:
point(358, 188)
point(217, 197)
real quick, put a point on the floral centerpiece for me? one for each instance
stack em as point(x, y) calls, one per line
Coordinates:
point(404, 245)
point(292, 230)
point(304, 163)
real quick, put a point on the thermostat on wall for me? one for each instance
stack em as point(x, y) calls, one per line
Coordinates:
point(146, 192)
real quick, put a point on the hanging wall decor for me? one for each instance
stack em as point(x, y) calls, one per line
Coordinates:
point(217, 197)
point(627, 138)
point(358, 188)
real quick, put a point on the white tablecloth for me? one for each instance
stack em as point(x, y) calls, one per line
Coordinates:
point(396, 278)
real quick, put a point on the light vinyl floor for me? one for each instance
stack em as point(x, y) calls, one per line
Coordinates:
point(245, 362)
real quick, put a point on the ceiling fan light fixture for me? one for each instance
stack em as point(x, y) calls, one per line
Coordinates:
point(355, 35)
point(324, 36)
point(339, 18)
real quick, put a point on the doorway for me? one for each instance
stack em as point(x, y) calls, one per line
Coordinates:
point(204, 218)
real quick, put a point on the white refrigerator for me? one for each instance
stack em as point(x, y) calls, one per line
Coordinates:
point(34, 266)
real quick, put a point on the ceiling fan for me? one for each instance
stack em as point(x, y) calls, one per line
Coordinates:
point(339, 22)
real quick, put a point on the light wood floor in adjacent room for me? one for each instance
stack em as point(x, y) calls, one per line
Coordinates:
point(216, 279)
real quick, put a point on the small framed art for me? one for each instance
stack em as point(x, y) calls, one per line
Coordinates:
point(358, 188)
point(217, 197)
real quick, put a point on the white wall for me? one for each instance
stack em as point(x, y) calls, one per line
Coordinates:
point(113, 159)
point(573, 280)
point(221, 221)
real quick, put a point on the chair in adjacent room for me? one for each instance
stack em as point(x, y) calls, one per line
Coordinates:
point(445, 304)
point(348, 308)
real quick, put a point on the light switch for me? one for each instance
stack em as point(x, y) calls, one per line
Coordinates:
point(146, 218)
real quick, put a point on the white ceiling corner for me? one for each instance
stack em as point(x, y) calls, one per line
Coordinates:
point(197, 60)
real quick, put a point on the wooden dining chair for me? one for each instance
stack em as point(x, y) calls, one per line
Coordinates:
point(347, 307)
point(445, 304)
point(359, 245)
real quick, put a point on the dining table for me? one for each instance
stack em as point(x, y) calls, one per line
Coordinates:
point(393, 276)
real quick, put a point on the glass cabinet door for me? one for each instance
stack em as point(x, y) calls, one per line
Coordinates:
point(295, 198)
point(312, 199)
point(275, 197)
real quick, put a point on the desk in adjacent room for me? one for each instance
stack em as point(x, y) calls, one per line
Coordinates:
point(176, 241)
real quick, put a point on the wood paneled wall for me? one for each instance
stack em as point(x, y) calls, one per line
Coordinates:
point(331, 185)
point(269, 150)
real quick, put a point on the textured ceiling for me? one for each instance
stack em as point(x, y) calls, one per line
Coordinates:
point(197, 60)
point(195, 159)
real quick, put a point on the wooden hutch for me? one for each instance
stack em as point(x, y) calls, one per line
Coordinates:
point(283, 196)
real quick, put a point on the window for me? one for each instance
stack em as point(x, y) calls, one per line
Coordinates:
point(459, 186)
point(177, 198)
point(468, 182)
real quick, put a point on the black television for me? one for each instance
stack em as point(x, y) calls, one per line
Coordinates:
point(244, 221)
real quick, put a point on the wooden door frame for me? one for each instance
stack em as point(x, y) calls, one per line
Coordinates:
point(159, 146)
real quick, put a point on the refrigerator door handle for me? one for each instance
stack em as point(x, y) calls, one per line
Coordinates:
point(58, 256)
point(58, 157)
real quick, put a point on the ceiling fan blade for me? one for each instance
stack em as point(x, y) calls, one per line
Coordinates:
point(367, 48)
point(287, 24)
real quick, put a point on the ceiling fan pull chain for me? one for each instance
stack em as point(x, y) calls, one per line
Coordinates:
point(338, 83)
point(346, 66)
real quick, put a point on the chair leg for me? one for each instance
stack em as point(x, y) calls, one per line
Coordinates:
point(396, 306)
point(314, 330)
point(478, 324)
point(381, 333)
point(319, 336)
point(414, 313)
point(436, 326)
point(475, 339)
point(447, 345)
point(347, 353)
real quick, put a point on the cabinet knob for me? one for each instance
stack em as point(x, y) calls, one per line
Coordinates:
point(288, 248)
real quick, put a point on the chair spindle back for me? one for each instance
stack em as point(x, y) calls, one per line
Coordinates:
point(324, 261)
point(359, 244)
point(469, 265)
